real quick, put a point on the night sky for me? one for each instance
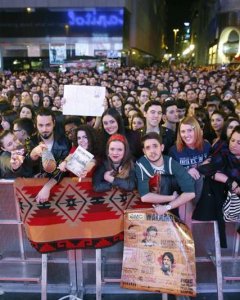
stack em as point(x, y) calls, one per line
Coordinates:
point(178, 12)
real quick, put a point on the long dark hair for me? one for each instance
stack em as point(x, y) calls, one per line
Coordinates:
point(9, 116)
point(223, 135)
point(217, 112)
point(114, 114)
point(236, 129)
point(104, 136)
point(28, 107)
point(91, 136)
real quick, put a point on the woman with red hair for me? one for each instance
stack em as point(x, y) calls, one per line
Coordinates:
point(117, 170)
point(191, 150)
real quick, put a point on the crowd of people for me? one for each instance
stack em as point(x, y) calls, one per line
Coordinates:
point(172, 134)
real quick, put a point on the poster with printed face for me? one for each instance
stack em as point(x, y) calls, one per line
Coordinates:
point(159, 254)
point(57, 53)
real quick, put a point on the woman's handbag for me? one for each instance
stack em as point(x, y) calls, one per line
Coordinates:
point(231, 208)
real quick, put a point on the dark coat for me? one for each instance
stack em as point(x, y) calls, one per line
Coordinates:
point(101, 185)
point(7, 173)
point(60, 150)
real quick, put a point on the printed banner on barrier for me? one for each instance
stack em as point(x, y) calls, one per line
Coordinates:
point(159, 254)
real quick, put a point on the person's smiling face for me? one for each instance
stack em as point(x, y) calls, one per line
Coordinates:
point(82, 139)
point(110, 125)
point(217, 122)
point(187, 134)
point(9, 143)
point(116, 151)
point(153, 115)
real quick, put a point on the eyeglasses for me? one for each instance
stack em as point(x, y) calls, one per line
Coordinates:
point(70, 131)
point(16, 130)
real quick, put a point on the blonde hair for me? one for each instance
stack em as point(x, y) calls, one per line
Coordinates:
point(237, 106)
point(198, 134)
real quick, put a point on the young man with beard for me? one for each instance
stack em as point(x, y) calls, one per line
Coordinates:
point(47, 143)
point(167, 263)
point(157, 174)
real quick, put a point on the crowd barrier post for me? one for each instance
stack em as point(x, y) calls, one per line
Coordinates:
point(218, 261)
point(44, 277)
point(75, 262)
point(18, 269)
point(231, 265)
point(79, 273)
point(98, 274)
point(237, 241)
point(187, 210)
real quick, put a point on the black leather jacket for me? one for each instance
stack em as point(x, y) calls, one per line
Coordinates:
point(60, 150)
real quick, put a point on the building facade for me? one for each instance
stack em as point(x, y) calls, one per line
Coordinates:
point(216, 32)
point(55, 31)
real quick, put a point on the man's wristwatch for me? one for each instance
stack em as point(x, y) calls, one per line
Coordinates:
point(168, 207)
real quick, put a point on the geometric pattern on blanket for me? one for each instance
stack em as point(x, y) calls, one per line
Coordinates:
point(75, 217)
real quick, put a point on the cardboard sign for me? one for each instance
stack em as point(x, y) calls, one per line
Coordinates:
point(159, 254)
point(84, 100)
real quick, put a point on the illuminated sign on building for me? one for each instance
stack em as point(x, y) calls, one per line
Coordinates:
point(87, 22)
point(96, 18)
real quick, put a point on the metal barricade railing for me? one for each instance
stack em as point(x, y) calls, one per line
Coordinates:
point(21, 263)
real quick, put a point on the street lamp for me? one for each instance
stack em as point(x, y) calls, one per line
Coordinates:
point(66, 27)
point(175, 31)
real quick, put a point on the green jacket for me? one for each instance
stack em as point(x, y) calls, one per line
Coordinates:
point(144, 172)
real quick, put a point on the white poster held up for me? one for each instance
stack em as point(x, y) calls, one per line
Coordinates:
point(84, 100)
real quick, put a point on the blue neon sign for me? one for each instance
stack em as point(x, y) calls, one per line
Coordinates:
point(96, 18)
